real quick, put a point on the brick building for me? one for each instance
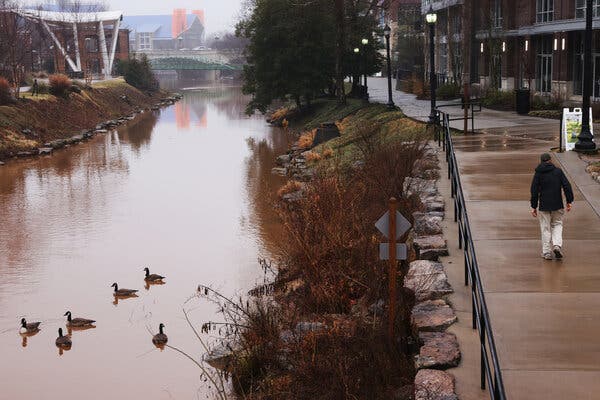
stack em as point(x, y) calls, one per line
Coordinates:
point(406, 39)
point(80, 43)
point(510, 44)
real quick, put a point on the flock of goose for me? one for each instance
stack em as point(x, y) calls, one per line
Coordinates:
point(64, 341)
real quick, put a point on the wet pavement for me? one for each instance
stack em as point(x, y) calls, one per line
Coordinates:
point(185, 191)
point(545, 314)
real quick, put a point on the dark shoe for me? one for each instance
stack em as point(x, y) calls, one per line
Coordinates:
point(557, 252)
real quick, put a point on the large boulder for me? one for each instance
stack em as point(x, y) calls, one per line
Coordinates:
point(426, 224)
point(440, 350)
point(428, 280)
point(432, 316)
point(430, 247)
point(431, 384)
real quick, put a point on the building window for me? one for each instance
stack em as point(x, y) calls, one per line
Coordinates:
point(545, 10)
point(580, 8)
point(145, 41)
point(91, 44)
point(543, 65)
point(497, 13)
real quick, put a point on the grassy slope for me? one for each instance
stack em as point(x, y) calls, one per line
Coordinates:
point(53, 118)
point(393, 125)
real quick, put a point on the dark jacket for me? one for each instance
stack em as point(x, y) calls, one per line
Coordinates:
point(546, 188)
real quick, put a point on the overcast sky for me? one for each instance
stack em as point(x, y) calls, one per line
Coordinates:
point(220, 14)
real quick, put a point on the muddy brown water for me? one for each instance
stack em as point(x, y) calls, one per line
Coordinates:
point(185, 191)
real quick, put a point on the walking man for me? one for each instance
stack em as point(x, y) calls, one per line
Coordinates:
point(546, 191)
point(36, 88)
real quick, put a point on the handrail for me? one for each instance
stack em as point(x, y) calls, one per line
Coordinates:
point(490, 366)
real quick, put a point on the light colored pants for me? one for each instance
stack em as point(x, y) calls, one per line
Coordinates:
point(552, 227)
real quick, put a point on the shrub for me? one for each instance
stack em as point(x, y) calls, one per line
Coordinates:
point(60, 85)
point(138, 73)
point(290, 187)
point(499, 99)
point(448, 91)
point(312, 156)
point(5, 92)
point(306, 139)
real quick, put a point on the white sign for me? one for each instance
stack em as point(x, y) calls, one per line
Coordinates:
point(402, 225)
point(571, 127)
point(401, 251)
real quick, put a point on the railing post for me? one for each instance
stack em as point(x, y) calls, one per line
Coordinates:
point(466, 268)
point(482, 338)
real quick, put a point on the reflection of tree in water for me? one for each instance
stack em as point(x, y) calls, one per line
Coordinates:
point(262, 185)
point(138, 133)
point(39, 195)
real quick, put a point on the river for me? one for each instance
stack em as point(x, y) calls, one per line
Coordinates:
point(185, 191)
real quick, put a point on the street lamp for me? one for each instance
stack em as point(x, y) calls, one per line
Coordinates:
point(585, 142)
point(386, 32)
point(431, 19)
point(365, 42)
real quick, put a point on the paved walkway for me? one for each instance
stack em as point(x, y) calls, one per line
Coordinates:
point(545, 314)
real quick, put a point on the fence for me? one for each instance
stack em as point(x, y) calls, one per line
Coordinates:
point(491, 373)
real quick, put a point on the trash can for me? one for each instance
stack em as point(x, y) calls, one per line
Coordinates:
point(522, 101)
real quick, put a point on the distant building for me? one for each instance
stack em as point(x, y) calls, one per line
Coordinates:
point(517, 44)
point(406, 39)
point(166, 32)
point(77, 43)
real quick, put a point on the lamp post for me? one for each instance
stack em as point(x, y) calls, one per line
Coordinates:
point(386, 32)
point(431, 19)
point(365, 42)
point(585, 142)
point(357, 52)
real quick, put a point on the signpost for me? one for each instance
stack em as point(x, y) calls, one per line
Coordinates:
point(393, 226)
point(571, 127)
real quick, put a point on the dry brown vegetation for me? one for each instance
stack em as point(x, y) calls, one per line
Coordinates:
point(52, 117)
point(5, 95)
point(330, 280)
point(60, 85)
point(306, 139)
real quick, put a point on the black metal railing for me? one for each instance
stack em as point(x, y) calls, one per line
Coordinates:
point(473, 106)
point(490, 366)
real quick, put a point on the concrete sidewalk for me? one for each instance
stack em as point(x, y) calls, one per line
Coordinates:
point(545, 315)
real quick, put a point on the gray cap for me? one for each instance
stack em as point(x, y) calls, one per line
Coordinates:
point(545, 157)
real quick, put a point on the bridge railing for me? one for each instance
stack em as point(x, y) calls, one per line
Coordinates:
point(491, 374)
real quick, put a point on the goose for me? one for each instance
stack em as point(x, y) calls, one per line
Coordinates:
point(152, 277)
point(122, 292)
point(160, 339)
point(62, 341)
point(29, 327)
point(78, 322)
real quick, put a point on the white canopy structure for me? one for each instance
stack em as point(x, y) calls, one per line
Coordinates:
point(49, 19)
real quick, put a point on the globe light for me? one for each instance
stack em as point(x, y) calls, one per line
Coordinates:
point(431, 17)
point(365, 41)
point(356, 50)
point(387, 30)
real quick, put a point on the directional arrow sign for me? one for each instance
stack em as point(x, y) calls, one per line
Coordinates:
point(402, 225)
point(401, 251)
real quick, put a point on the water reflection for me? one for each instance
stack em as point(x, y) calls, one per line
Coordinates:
point(25, 337)
point(194, 203)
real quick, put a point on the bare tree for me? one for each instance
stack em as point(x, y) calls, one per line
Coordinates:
point(14, 39)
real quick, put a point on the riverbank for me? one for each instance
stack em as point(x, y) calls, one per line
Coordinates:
point(319, 329)
point(36, 125)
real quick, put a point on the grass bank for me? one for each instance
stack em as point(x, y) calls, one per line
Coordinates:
point(34, 120)
point(321, 331)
